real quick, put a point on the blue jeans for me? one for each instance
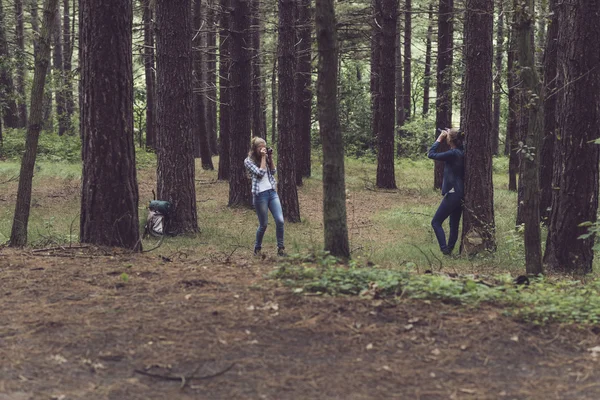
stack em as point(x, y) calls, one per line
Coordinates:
point(451, 206)
point(263, 202)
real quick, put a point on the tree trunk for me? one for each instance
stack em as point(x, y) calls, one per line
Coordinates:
point(512, 124)
point(58, 76)
point(109, 191)
point(8, 106)
point(67, 68)
point(199, 131)
point(211, 79)
point(576, 199)
point(149, 74)
point(18, 236)
point(531, 158)
point(303, 90)
point(399, 85)
point(257, 96)
point(375, 68)
point(20, 63)
point(547, 181)
point(498, 78)
point(407, 91)
point(241, 72)
point(175, 175)
point(274, 100)
point(478, 224)
point(443, 101)
point(334, 193)
point(286, 161)
point(47, 123)
point(386, 177)
point(427, 73)
point(224, 91)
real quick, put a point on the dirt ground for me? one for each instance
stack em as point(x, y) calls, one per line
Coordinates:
point(74, 327)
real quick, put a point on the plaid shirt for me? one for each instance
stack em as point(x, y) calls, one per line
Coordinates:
point(257, 174)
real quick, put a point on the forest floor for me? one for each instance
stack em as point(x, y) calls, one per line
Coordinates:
point(80, 324)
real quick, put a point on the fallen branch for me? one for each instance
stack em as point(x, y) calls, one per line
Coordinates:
point(60, 248)
point(14, 178)
point(184, 379)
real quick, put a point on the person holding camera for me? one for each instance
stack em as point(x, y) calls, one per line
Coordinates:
point(260, 167)
point(452, 186)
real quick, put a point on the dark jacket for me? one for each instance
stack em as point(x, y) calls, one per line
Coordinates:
point(454, 168)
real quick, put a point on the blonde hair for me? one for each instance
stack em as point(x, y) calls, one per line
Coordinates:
point(456, 137)
point(253, 154)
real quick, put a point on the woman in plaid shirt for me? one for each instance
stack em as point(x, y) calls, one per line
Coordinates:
point(259, 165)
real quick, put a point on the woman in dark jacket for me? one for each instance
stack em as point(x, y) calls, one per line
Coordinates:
point(453, 188)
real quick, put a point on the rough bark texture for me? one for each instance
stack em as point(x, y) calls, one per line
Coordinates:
point(399, 84)
point(67, 67)
point(576, 199)
point(498, 78)
point(286, 162)
point(8, 105)
point(18, 236)
point(512, 124)
point(427, 72)
point(478, 224)
point(407, 91)
point(20, 63)
point(375, 67)
point(443, 101)
point(149, 74)
point(175, 175)
point(241, 70)
point(334, 194)
point(224, 98)
point(211, 78)
point(531, 158)
point(258, 104)
point(547, 152)
point(386, 177)
point(303, 89)
point(201, 147)
point(58, 76)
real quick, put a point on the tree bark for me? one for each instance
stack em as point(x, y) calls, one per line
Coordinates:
point(386, 177)
point(576, 199)
point(334, 194)
point(443, 101)
point(427, 73)
point(20, 63)
point(303, 90)
point(547, 179)
point(67, 68)
point(211, 78)
point(399, 84)
point(8, 106)
point(224, 91)
point(149, 74)
point(498, 78)
point(375, 68)
point(257, 95)
point(175, 175)
point(58, 76)
point(199, 131)
point(407, 91)
point(286, 161)
point(241, 72)
point(18, 236)
point(478, 224)
point(512, 124)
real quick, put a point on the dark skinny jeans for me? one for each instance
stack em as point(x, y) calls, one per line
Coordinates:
point(451, 206)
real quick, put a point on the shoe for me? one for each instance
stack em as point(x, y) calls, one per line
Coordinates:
point(281, 252)
point(447, 251)
point(257, 251)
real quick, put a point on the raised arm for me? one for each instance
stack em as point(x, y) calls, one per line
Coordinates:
point(254, 169)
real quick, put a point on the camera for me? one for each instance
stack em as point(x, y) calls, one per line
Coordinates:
point(269, 151)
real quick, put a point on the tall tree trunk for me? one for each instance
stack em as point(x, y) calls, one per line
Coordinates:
point(399, 85)
point(109, 191)
point(175, 175)
point(427, 73)
point(443, 101)
point(408, 112)
point(211, 79)
point(478, 224)
point(58, 76)
point(8, 105)
point(386, 177)
point(199, 131)
point(257, 103)
point(149, 74)
point(512, 125)
point(224, 91)
point(274, 100)
point(303, 89)
point(531, 158)
point(576, 199)
point(498, 78)
point(547, 179)
point(286, 161)
point(18, 235)
point(241, 72)
point(375, 68)
point(334, 193)
point(67, 68)
point(47, 123)
point(20, 63)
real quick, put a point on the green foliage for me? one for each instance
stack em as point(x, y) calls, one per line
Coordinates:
point(51, 147)
point(542, 301)
point(416, 135)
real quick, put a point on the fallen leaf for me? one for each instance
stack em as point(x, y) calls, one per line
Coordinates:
point(413, 320)
point(468, 391)
point(463, 346)
point(57, 358)
point(594, 351)
point(408, 327)
point(515, 338)
point(188, 296)
point(370, 346)
point(436, 352)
